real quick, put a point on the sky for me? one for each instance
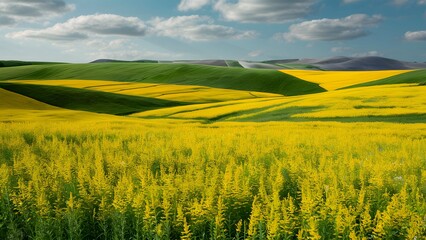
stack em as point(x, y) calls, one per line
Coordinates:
point(86, 30)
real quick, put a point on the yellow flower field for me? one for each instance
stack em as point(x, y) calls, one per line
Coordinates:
point(184, 93)
point(386, 100)
point(332, 80)
point(222, 181)
point(241, 165)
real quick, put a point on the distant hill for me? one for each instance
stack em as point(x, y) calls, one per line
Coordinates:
point(13, 63)
point(340, 63)
point(259, 80)
point(122, 61)
point(362, 63)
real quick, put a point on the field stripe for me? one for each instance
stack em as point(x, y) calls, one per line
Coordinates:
point(332, 80)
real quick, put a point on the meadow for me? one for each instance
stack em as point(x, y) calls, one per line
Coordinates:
point(225, 181)
point(87, 152)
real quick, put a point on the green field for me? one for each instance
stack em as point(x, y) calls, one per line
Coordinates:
point(176, 151)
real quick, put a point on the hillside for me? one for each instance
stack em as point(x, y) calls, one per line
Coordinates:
point(416, 77)
point(88, 100)
point(332, 80)
point(338, 63)
point(181, 93)
point(370, 104)
point(206, 94)
point(270, 81)
point(13, 63)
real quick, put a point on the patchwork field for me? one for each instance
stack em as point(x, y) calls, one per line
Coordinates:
point(332, 80)
point(178, 151)
point(185, 93)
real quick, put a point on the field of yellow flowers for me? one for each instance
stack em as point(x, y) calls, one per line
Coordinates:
point(127, 180)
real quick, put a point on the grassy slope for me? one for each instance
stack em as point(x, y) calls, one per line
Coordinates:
point(332, 80)
point(377, 103)
point(13, 63)
point(11, 100)
point(219, 77)
point(18, 108)
point(183, 93)
point(418, 76)
point(88, 100)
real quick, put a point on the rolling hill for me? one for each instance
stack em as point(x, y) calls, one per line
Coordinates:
point(377, 103)
point(416, 77)
point(259, 80)
point(339, 63)
point(332, 80)
point(185, 93)
point(88, 100)
point(207, 94)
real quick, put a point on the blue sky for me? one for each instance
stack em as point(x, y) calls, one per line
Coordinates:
point(85, 30)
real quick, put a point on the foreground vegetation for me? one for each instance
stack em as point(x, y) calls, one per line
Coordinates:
point(221, 181)
point(189, 160)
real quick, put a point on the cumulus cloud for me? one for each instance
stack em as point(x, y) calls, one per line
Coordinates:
point(13, 11)
point(416, 36)
point(4, 20)
point(123, 49)
point(186, 5)
point(270, 11)
point(133, 54)
point(351, 27)
point(84, 26)
point(196, 28)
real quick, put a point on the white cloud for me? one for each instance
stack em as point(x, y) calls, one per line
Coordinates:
point(196, 28)
point(368, 54)
point(421, 2)
point(186, 5)
point(270, 11)
point(83, 27)
point(351, 27)
point(5, 20)
point(14, 11)
point(193, 28)
point(416, 36)
point(132, 54)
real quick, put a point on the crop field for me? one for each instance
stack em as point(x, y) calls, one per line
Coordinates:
point(186, 93)
point(332, 80)
point(176, 151)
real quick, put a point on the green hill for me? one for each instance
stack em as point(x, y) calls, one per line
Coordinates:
point(259, 80)
point(418, 76)
point(13, 63)
point(88, 100)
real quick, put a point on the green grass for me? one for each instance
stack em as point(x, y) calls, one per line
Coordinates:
point(220, 77)
point(386, 103)
point(418, 76)
point(88, 100)
point(13, 63)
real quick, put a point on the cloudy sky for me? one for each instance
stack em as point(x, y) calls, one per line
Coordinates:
point(85, 30)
